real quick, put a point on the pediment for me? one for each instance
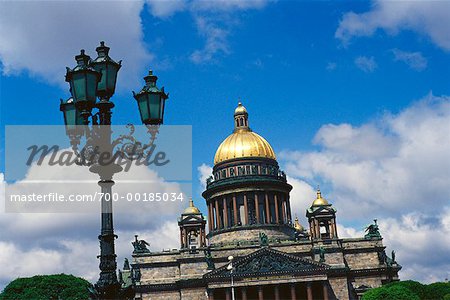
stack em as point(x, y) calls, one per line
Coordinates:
point(268, 262)
point(321, 210)
point(191, 219)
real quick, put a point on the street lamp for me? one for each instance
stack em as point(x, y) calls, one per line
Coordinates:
point(109, 69)
point(91, 80)
point(72, 116)
point(230, 268)
point(83, 80)
point(151, 101)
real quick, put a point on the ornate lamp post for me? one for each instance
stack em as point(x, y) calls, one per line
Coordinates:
point(91, 80)
point(230, 268)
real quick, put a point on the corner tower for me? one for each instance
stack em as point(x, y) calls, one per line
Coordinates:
point(248, 194)
point(192, 228)
point(322, 219)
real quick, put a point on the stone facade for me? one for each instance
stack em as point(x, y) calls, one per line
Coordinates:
point(181, 274)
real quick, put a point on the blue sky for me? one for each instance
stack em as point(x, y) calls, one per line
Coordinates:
point(317, 78)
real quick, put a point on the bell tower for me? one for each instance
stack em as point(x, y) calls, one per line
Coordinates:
point(322, 219)
point(192, 228)
point(240, 117)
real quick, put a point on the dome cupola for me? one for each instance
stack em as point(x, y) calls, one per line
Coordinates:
point(320, 201)
point(243, 142)
point(297, 225)
point(191, 209)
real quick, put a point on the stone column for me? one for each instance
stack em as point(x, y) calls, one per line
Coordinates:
point(260, 293)
point(244, 293)
point(217, 214)
point(245, 209)
point(185, 238)
point(293, 295)
point(227, 294)
point(267, 209)
point(309, 294)
point(277, 292)
point(283, 210)
point(331, 227)
point(201, 237)
point(210, 295)
point(235, 212)
point(257, 208)
point(325, 290)
point(225, 213)
point(318, 229)
point(288, 207)
point(209, 217)
point(211, 206)
point(181, 238)
point(333, 222)
point(277, 215)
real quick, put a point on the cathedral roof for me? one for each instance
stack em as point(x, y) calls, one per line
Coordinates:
point(243, 142)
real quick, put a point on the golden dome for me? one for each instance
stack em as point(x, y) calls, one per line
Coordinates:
point(240, 109)
point(297, 225)
point(243, 142)
point(319, 200)
point(191, 209)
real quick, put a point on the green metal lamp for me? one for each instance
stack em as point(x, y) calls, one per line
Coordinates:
point(83, 80)
point(108, 68)
point(151, 101)
point(72, 117)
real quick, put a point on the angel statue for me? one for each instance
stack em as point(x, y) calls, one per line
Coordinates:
point(140, 246)
point(372, 231)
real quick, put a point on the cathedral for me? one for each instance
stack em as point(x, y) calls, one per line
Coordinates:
point(248, 246)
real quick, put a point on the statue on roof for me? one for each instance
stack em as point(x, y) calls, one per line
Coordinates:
point(140, 246)
point(126, 264)
point(322, 254)
point(120, 279)
point(209, 259)
point(372, 230)
point(136, 275)
point(263, 239)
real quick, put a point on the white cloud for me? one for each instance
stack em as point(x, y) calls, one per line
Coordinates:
point(166, 8)
point(215, 20)
point(204, 172)
point(421, 246)
point(396, 163)
point(216, 37)
point(366, 64)
point(414, 60)
point(331, 66)
point(301, 197)
point(42, 37)
point(429, 18)
point(47, 243)
point(396, 169)
point(228, 5)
